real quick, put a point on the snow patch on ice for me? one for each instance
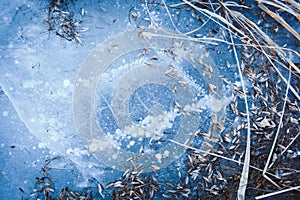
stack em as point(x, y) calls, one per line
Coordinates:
point(4, 113)
point(76, 152)
point(150, 126)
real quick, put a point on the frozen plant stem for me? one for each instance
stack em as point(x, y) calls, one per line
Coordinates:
point(150, 15)
point(286, 148)
point(170, 17)
point(277, 192)
point(280, 20)
point(278, 129)
point(270, 42)
point(294, 4)
point(245, 172)
point(215, 17)
point(218, 156)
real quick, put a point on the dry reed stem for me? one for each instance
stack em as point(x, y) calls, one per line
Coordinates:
point(180, 37)
point(286, 148)
point(278, 51)
point(278, 129)
point(279, 20)
point(208, 13)
point(277, 192)
point(281, 6)
point(294, 4)
point(219, 156)
point(254, 31)
point(268, 40)
point(245, 173)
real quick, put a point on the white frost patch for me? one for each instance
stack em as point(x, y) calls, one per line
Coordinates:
point(208, 102)
point(192, 108)
point(114, 156)
point(5, 113)
point(151, 126)
point(185, 79)
point(54, 136)
point(166, 153)
point(66, 83)
point(160, 156)
point(216, 105)
point(29, 84)
point(76, 152)
point(42, 145)
point(131, 143)
point(100, 145)
point(109, 78)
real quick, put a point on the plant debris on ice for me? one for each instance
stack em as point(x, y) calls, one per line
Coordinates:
point(256, 154)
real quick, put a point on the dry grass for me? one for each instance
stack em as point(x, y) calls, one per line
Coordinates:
point(240, 28)
point(259, 158)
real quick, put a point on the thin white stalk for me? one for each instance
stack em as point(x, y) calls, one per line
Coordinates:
point(218, 156)
point(277, 192)
point(213, 41)
point(208, 13)
point(151, 18)
point(170, 17)
point(286, 148)
point(280, 20)
point(282, 6)
point(173, 24)
point(270, 180)
point(206, 39)
point(294, 4)
point(278, 129)
point(245, 173)
point(209, 19)
point(280, 53)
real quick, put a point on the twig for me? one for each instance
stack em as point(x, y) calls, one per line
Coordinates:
point(219, 156)
point(151, 18)
point(278, 129)
point(294, 4)
point(279, 52)
point(277, 192)
point(208, 13)
point(279, 20)
point(170, 17)
point(282, 6)
point(245, 173)
point(286, 148)
point(206, 40)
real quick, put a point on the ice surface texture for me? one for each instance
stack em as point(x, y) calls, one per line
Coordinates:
point(41, 83)
point(138, 75)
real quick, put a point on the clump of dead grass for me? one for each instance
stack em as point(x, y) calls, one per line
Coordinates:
point(271, 122)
